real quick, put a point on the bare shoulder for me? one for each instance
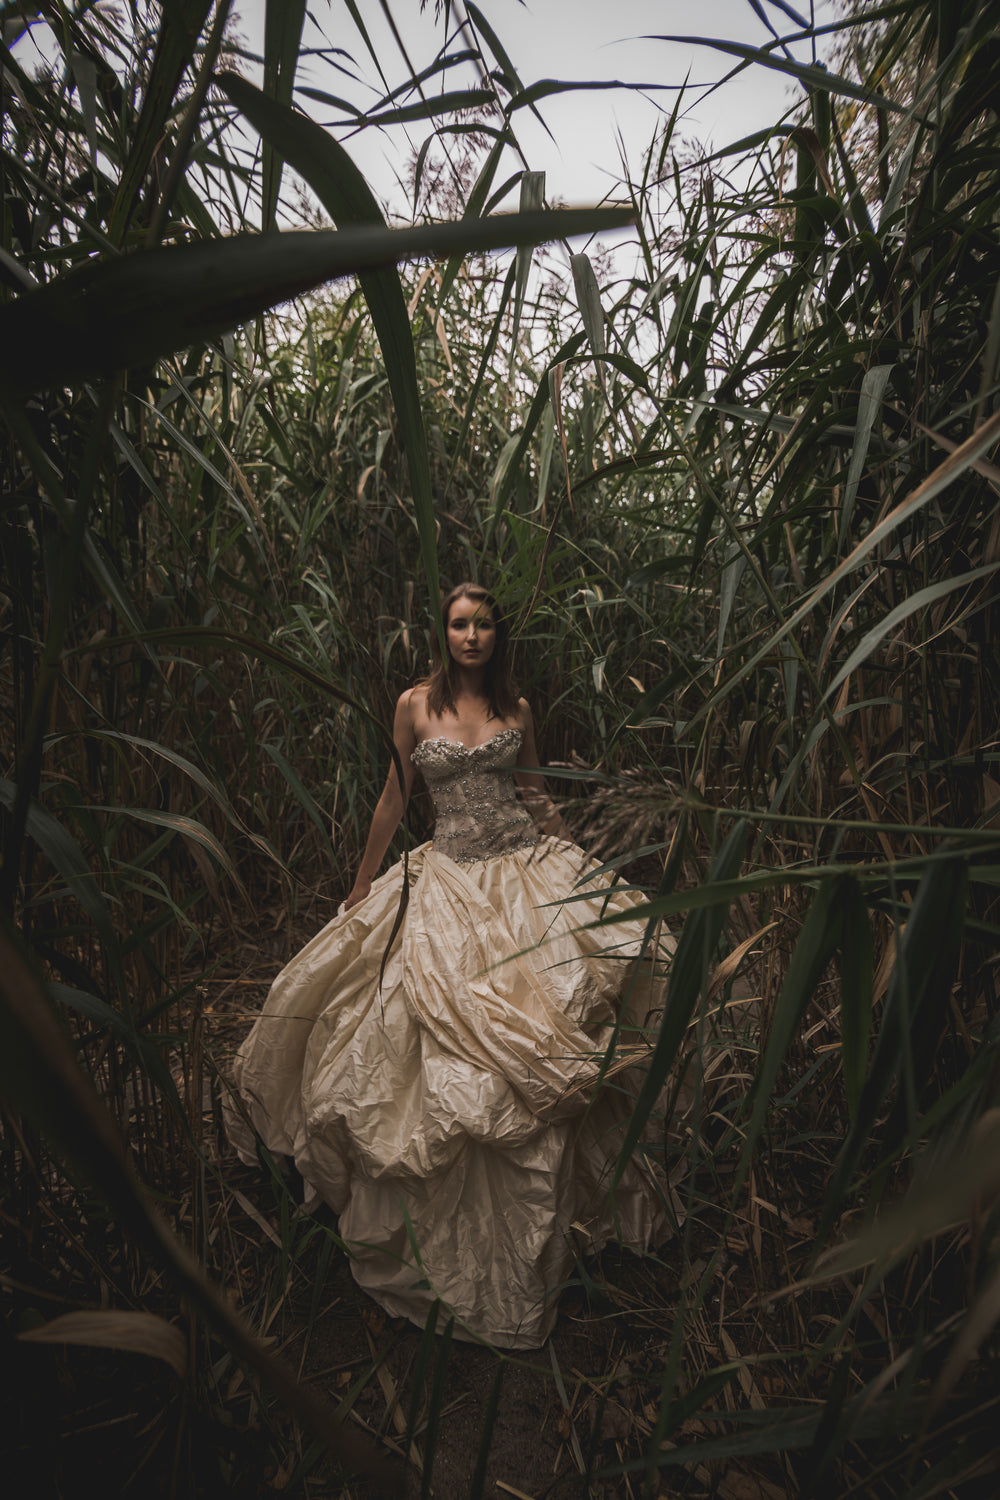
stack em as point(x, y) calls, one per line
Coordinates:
point(408, 708)
point(415, 701)
point(525, 721)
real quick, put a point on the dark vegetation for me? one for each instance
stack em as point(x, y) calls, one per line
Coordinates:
point(742, 502)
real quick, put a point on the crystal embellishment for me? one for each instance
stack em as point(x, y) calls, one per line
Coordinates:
point(475, 797)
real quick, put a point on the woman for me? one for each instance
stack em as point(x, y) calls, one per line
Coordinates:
point(443, 1113)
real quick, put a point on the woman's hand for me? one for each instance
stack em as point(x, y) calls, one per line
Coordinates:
point(360, 889)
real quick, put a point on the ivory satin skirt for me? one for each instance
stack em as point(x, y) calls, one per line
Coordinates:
point(448, 1115)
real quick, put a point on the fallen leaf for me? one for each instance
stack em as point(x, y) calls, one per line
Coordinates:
point(615, 1423)
point(136, 1332)
point(373, 1319)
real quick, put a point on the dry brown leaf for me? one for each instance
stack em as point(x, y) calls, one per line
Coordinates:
point(732, 961)
point(886, 965)
point(136, 1332)
point(257, 1217)
point(373, 1319)
point(746, 1380)
point(279, 1479)
point(736, 1486)
point(422, 281)
point(442, 338)
point(388, 1385)
point(991, 798)
point(615, 1423)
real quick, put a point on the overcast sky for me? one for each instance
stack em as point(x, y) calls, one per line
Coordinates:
point(562, 39)
point(545, 39)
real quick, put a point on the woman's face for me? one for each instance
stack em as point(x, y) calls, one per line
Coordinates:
point(472, 632)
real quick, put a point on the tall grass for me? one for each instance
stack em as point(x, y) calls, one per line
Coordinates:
point(742, 505)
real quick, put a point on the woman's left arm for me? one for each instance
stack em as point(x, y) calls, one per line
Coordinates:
point(532, 783)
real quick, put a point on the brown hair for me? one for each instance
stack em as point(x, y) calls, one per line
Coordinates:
point(497, 681)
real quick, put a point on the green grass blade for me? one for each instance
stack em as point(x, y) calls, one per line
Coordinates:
point(187, 827)
point(418, 1375)
point(134, 310)
point(435, 1403)
point(872, 391)
point(939, 480)
point(925, 961)
point(688, 971)
point(818, 940)
point(68, 860)
point(920, 600)
point(477, 1484)
point(814, 77)
point(304, 798)
point(428, 109)
point(180, 27)
point(321, 160)
point(856, 975)
point(532, 197)
point(283, 22)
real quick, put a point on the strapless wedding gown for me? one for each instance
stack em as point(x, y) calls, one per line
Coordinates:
point(446, 1114)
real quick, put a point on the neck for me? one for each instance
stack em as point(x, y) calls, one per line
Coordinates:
point(468, 682)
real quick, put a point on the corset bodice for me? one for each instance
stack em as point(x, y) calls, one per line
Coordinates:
point(475, 798)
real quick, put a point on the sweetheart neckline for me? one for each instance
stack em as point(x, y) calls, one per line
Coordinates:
point(443, 739)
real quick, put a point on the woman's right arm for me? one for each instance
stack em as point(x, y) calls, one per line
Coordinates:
point(390, 806)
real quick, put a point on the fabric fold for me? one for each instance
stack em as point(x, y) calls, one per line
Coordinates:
point(447, 1116)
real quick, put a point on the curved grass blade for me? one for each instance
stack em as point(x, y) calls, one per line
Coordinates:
point(116, 1328)
point(508, 474)
point(922, 599)
point(139, 1045)
point(418, 1379)
point(813, 77)
point(188, 828)
point(427, 109)
point(304, 798)
point(872, 390)
point(136, 309)
point(947, 1195)
point(511, 80)
point(944, 475)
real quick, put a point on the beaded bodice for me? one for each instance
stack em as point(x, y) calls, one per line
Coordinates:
point(474, 796)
